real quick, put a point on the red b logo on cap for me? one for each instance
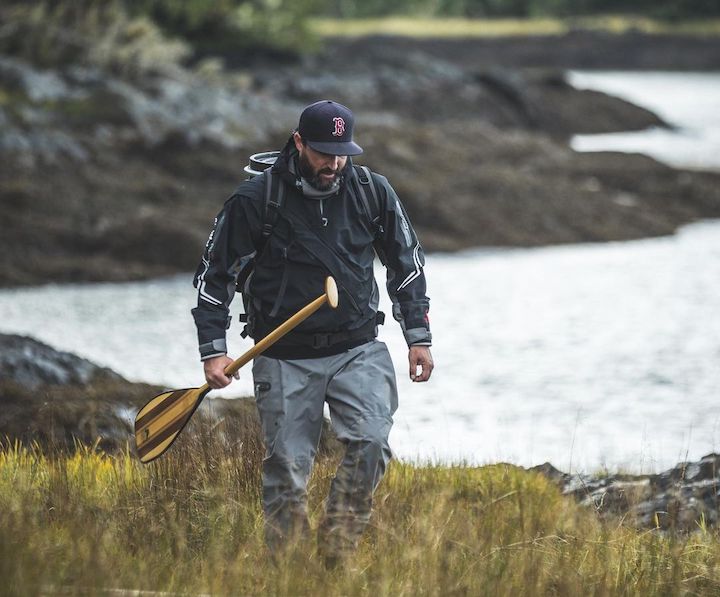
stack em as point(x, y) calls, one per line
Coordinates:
point(339, 127)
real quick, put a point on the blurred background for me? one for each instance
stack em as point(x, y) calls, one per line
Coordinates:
point(559, 160)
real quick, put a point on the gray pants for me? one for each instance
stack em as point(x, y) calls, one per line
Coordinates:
point(359, 387)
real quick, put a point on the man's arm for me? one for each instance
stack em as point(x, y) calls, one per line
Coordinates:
point(229, 249)
point(404, 260)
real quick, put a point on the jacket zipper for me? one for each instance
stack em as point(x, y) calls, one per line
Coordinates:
point(323, 219)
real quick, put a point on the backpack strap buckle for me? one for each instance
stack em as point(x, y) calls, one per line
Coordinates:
point(363, 174)
point(321, 340)
point(267, 229)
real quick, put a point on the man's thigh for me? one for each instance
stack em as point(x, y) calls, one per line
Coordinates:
point(362, 393)
point(289, 397)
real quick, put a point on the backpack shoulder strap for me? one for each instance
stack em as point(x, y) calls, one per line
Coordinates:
point(371, 206)
point(371, 203)
point(274, 196)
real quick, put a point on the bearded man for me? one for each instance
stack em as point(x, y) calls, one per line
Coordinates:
point(314, 214)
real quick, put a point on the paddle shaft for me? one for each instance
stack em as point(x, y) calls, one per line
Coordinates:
point(273, 337)
point(161, 420)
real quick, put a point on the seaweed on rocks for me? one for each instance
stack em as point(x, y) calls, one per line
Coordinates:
point(109, 177)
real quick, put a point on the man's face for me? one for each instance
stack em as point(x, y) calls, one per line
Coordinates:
point(321, 170)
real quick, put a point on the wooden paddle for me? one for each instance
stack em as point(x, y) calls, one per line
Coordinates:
point(161, 420)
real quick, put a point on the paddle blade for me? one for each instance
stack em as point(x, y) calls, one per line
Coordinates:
point(161, 420)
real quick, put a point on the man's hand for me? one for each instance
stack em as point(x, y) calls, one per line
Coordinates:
point(419, 356)
point(215, 372)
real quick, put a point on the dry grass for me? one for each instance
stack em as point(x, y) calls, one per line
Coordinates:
point(191, 523)
point(461, 27)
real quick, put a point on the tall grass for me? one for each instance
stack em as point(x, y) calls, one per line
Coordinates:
point(191, 523)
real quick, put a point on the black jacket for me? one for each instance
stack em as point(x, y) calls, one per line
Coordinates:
point(311, 239)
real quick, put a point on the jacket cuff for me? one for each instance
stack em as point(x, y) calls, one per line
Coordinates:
point(212, 349)
point(418, 336)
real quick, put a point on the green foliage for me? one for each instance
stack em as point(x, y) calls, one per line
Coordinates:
point(90, 32)
point(188, 18)
point(139, 35)
point(227, 24)
point(191, 523)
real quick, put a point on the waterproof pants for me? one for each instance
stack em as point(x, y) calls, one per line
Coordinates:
point(359, 387)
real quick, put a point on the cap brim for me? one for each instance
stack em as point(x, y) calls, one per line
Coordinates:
point(347, 148)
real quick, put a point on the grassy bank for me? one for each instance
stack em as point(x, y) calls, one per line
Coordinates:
point(506, 27)
point(191, 523)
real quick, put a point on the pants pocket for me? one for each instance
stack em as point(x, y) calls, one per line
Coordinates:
point(268, 399)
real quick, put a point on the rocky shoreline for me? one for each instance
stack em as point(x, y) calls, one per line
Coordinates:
point(578, 49)
point(54, 400)
point(110, 177)
point(684, 498)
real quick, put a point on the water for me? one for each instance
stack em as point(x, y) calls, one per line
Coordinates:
point(585, 356)
point(688, 101)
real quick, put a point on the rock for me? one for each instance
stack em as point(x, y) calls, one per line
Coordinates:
point(512, 85)
point(39, 86)
point(32, 364)
point(183, 106)
point(680, 499)
point(549, 471)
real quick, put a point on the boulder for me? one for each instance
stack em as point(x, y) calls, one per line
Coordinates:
point(31, 364)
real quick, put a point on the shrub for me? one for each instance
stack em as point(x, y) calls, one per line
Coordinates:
point(88, 32)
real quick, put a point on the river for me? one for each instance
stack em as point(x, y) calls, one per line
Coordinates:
point(689, 102)
point(587, 356)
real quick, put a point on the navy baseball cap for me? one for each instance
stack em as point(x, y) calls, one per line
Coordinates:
point(327, 127)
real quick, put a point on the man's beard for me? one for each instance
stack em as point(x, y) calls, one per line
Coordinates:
point(313, 178)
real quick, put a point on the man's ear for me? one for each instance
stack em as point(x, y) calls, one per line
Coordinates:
point(298, 141)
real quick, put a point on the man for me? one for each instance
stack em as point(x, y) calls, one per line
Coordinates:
point(279, 252)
